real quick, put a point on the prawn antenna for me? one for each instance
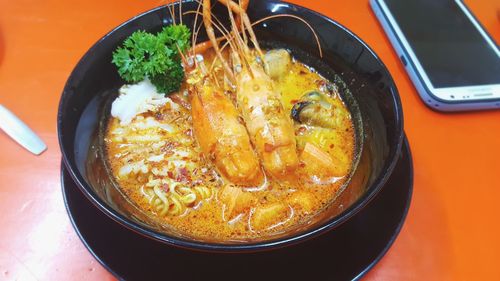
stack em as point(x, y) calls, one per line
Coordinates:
point(246, 21)
point(183, 58)
point(180, 11)
point(211, 35)
point(220, 28)
point(242, 47)
point(243, 6)
point(172, 13)
point(298, 18)
point(196, 30)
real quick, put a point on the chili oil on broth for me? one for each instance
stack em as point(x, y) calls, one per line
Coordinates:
point(159, 166)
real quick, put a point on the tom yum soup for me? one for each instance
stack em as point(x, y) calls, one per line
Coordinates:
point(225, 144)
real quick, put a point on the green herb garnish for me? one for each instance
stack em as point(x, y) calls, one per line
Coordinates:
point(173, 35)
point(145, 55)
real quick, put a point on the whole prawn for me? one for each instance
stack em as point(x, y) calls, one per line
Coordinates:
point(219, 130)
point(269, 126)
point(222, 137)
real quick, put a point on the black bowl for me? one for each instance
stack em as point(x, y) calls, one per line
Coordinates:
point(362, 79)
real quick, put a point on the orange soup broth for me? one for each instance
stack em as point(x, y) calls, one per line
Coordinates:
point(160, 153)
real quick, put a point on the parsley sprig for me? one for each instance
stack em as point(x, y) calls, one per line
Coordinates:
point(145, 55)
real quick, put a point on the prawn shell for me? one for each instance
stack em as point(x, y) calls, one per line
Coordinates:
point(223, 138)
point(269, 126)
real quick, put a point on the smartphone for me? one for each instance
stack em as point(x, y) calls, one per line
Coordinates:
point(450, 58)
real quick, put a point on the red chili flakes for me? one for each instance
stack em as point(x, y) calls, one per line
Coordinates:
point(177, 98)
point(169, 146)
point(268, 147)
point(302, 130)
point(183, 175)
point(159, 116)
point(170, 174)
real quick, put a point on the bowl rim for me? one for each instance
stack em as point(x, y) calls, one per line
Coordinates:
point(273, 243)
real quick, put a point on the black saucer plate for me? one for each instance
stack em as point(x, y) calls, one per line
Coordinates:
point(345, 253)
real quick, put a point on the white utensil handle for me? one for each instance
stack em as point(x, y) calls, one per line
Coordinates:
point(20, 132)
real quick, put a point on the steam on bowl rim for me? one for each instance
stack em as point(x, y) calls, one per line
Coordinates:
point(329, 224)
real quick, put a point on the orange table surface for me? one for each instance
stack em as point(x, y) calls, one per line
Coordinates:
point(452, 231)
